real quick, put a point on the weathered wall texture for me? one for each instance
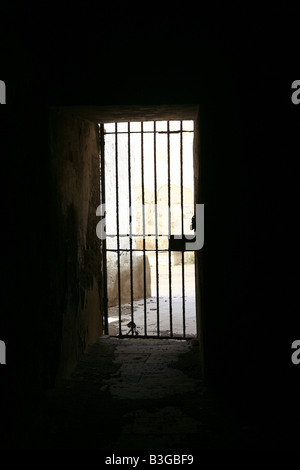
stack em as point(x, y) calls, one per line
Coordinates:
point(74, 157)
point(137, 275)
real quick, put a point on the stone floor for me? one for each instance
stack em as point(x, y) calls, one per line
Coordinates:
point(152, 305)
point(137, 395)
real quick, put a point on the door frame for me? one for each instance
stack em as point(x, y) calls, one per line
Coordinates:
point(154, 112)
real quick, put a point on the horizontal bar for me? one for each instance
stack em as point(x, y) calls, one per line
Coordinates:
point(172, 132)
point(145, 132)
point(134, 249)
point(138, 336)
point(140, 235)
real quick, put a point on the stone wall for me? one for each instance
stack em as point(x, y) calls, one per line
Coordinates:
point(75, 197)
point(138, 278)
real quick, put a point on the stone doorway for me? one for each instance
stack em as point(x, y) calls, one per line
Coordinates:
point(148, 192)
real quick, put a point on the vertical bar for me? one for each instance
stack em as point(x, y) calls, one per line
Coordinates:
point(130, 226)
point(118, 233)
point(169, 233)
point(182, 232)
point(104, 254)
point(144, 227)
point(156, 228)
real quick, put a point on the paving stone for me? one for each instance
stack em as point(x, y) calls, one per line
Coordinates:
point(131, 394)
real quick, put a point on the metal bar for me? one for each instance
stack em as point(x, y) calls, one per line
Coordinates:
point(137, 249)
point(171, 132)
point(117, 220)
point(130, 228)
point(103, 242)
point(182, 232)
point(156, 227)
point(179, 338)
point(136, 235)
point(148, 132)
point(169, 230)
point(144, 229)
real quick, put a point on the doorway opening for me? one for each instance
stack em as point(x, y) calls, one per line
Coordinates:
point(148, 204)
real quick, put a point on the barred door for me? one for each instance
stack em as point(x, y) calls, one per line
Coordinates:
point(148, 228)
